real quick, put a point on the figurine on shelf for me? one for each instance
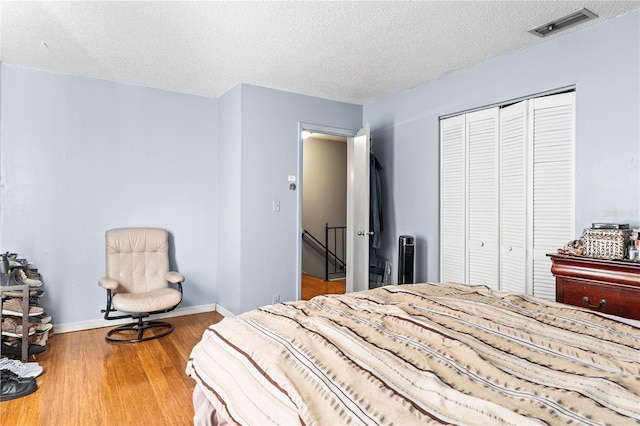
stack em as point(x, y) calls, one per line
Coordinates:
point(573, 248)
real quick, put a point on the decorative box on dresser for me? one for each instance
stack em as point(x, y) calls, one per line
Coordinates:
point(608, 286)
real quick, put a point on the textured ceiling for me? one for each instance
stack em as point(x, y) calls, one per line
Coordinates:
point(355, 52)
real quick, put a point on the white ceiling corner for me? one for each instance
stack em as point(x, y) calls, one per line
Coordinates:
point(356, 51)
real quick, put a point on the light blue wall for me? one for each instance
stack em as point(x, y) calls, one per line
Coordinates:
point(80, 156)
point(602, 62)
point(268, 155)
point(75, 155)
point(229, 271)
point(76, 159)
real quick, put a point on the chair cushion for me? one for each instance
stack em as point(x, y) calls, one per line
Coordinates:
point(155, 300)
point(137, 258)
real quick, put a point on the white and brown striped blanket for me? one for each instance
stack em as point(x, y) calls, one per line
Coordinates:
point(417, 354)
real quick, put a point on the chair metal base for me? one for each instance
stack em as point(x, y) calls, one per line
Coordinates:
point(138, 327)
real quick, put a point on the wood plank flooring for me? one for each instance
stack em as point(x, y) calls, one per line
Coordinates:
point(312, 286)
point(88, 381)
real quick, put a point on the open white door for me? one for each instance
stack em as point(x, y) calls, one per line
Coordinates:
point(358, 234)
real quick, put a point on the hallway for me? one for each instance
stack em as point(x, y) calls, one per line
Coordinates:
point(312, 286)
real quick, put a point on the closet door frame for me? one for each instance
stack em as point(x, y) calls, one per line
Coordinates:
point(540, 204)
point(482, 197)
point(515, 184)
point(552, 155)
point(452, 199)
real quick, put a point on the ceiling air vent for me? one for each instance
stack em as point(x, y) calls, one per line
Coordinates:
point(562, 23)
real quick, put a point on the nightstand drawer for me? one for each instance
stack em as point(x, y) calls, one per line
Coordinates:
point(611, 299)
point(609, 286)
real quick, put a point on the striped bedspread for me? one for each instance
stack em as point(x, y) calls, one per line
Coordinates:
point(418, 354)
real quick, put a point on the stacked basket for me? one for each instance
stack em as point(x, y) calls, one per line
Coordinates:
point(605, 243)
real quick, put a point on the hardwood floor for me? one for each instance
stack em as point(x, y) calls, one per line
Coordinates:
point(312, 286)
point(87, 381)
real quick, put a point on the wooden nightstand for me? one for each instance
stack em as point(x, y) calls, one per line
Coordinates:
point(609, 286)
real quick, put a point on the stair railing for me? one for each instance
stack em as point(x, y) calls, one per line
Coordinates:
point(333, 247)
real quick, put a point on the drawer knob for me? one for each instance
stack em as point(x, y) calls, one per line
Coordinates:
point(600, 304)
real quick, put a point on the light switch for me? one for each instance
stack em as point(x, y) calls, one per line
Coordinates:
point(276, 205)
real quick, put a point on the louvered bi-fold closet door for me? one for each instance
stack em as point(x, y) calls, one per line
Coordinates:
point(452, 199)
point(552, 201)
point(482, 198)
point(513, 197)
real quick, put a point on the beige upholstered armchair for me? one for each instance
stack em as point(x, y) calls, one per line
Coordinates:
point(139, 283)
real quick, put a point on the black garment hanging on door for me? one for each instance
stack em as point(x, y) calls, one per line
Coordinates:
point(375, 203)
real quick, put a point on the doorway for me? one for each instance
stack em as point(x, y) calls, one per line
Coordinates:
point(324, 214)
point(322, 204)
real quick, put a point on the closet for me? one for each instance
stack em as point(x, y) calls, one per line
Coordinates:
point(507, 193)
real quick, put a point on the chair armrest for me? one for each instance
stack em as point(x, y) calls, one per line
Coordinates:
point(108, 283)
point(174, 277)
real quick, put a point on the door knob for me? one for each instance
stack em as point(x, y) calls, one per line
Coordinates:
point(362, 233)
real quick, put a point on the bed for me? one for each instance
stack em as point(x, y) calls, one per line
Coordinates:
point(418, 354)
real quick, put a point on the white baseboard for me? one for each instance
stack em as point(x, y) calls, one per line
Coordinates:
point(222, 311)
point(100, 323)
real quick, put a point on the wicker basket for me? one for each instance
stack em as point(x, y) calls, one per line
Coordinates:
point(605, 243)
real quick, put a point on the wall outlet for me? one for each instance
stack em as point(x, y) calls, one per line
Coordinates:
point(275, 299)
